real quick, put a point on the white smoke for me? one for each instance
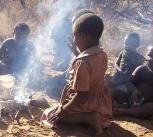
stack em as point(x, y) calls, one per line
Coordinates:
point(56, 12)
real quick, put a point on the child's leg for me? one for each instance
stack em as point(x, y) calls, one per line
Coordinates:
point(146, 92)
point(109, 81)
point(119, 93)
point(91, 118)
point(144, 111)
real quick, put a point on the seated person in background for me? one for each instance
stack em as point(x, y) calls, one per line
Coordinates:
point(62, 54)
point(141, 90)
point(17, 54)
point(128, 59)
point(84, 99)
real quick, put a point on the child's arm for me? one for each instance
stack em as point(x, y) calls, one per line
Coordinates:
point(3, 49)
point(77, 99)
point(117, 63)
point(80, 84)
point(136, 76)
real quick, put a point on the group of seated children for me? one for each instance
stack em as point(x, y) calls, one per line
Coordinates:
point(132, 83)
point(86, 98)
point(138, 91)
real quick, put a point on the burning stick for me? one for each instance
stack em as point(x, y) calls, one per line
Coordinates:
point(23, 110)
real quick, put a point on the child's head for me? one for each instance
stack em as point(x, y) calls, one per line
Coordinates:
point(80, 13)
point(132, 41)
point(87, 31)
point(21, 31)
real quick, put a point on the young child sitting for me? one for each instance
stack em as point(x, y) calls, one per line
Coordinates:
point(141, 90)
point(84, 99)
point(16, 52)
point(128, 59)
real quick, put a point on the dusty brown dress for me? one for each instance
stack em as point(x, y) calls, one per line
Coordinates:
point(87, 74)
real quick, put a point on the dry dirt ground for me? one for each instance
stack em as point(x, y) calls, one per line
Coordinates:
point(121, 127)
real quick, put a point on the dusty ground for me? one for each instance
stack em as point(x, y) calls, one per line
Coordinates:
point(121, 127)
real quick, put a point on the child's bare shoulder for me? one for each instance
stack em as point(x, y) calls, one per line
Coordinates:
point(8, 42)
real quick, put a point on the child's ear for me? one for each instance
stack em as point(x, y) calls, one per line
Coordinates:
point(86, 37)
point(83, 36)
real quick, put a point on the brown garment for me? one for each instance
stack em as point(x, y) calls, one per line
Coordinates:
point(87, 75)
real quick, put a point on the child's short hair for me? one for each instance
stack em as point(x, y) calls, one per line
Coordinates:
point(22, 27)
point(132, 40)
point(79, 13)
point(89, 24)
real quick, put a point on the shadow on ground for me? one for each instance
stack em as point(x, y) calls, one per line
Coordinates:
point(79, 130)
point(147, 123)
point(3, 125)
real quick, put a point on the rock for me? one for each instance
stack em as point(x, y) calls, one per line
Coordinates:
point(3, 124)
point(41, 100)
point(38, 102)
point(7, 82)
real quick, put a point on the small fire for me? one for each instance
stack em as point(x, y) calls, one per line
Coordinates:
point(21, 94)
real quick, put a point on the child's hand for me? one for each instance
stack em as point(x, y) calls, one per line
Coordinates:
point(72, 47)
point(56, 116)
point(124, 72)
point(137, 97)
